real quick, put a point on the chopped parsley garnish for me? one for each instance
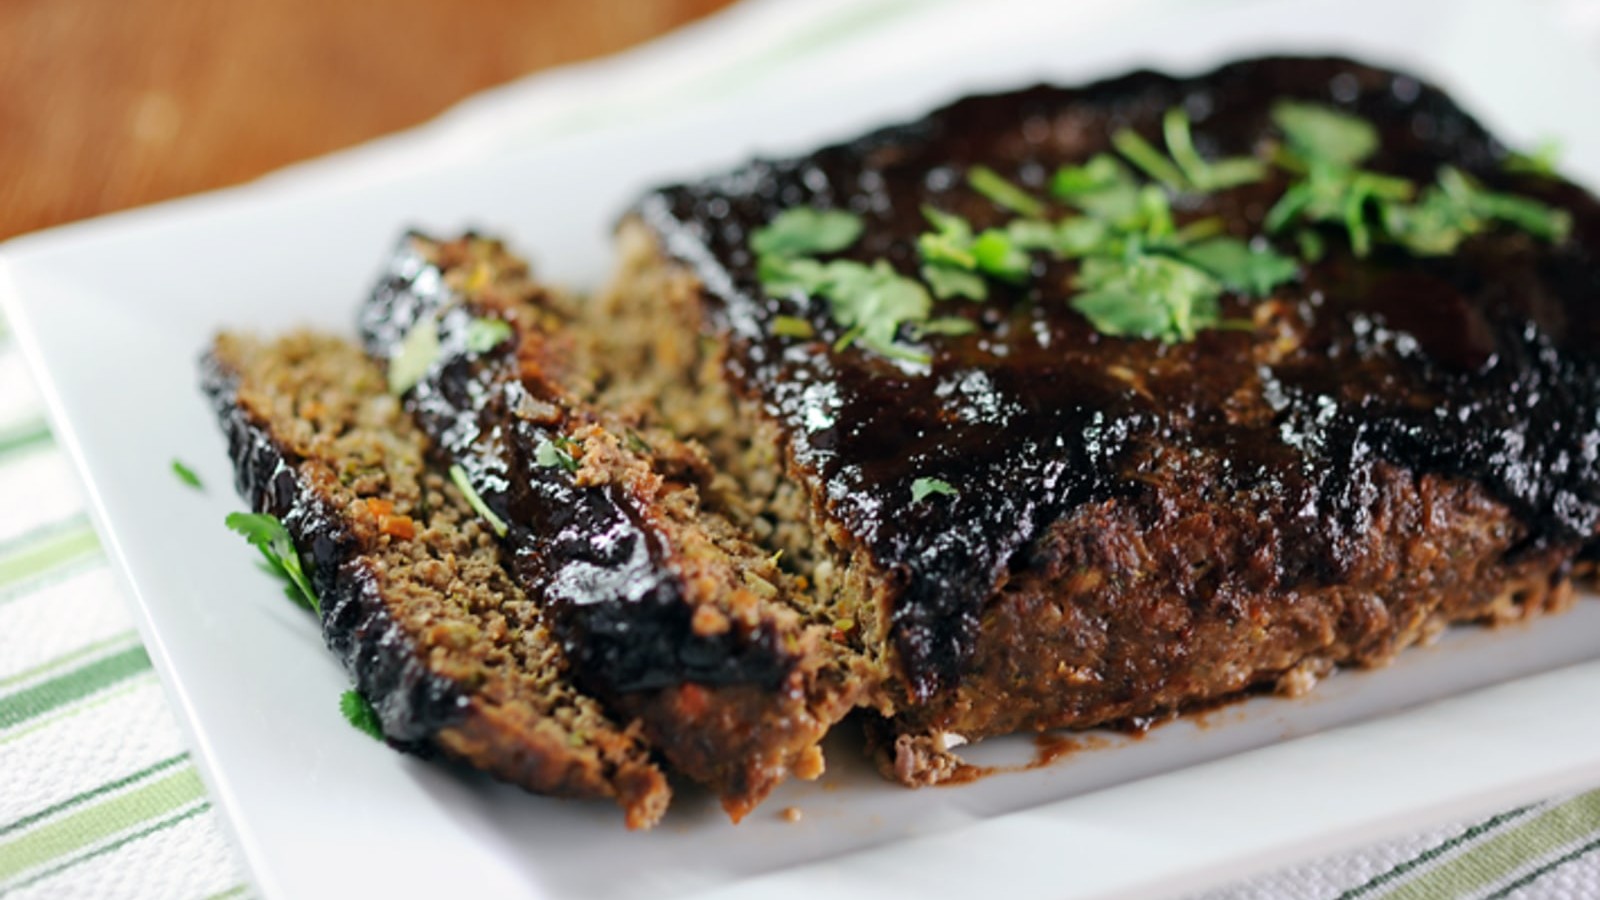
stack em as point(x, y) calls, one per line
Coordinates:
point(1541, 162)
point(1143, 154)
point(1147, 296)
point(1003, 193)
point(803, 231)
point(360, 714)
point(267, 534)
point(1204, 175)
point(793, 327)
point(187, 475)
point(459, 476)
point(870, 302)
point(1141, 273)
point(923, 487)
point(1241, 267)
point(638, 444)
point(1102, 188)
point(1324, 134)
point(555, 455)
point(418, 352)
point(1456, 208)
point(486, 334)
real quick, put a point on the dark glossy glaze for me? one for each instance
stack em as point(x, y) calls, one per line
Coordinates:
point(603, 576)
point(413, 701)
point(1481, 365)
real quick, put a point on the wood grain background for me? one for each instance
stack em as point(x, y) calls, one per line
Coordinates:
point(106, 104)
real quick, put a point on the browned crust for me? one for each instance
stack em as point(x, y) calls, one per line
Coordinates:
point(1114, 617)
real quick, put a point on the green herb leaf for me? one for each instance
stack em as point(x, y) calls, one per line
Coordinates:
point(793, 327)
point(803, 231)
point(925, 487)
point(267, 534)
point(1240, 267)
point(459, 476)
point(1205, 176)
point(1318, 133)
point(637, 444)
point(360, 714)
point(1456, 208)
point(1101, 187)
point(1148, 296)
point(950, 243)
point(782, 276)
point(187, 475)
point(551, 455)
point(874, 302)
point(946, 325)
point(1541, 162)
point(1080, 235)
point(948, 281)
point(486, 334)
point(418, 352)
point(1143, 154)
point(1003, 193)
point(996, 255)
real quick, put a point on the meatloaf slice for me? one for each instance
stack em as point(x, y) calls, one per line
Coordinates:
point(1025, 521)
point(667, 611)
point(453, 655)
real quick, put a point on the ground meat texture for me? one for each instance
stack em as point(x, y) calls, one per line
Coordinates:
point(665, 608)
point(455, 658)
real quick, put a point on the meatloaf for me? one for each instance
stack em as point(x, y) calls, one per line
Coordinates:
point(1039, 511)
point(452, 655)
point(1053, 409)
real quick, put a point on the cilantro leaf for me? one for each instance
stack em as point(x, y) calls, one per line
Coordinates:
point(997, 255)
point(1148, 296)
point(1241, 267)
point(485, 334)
point(360, 714)
point(949, 281)
point(1102, 187)
point(922, 488)
point(1456, 208)
point(459, 476)
point(793, 327)
point(1318, 133)
point(947, 325)
point(1541, 162)
point(550, 455)
point(1002, 192)
point(803, 231)
point(417, 354)
point(1143, 154)
point(874, 302)
point(267, 534)
point(187, 475)
point(1204, 175)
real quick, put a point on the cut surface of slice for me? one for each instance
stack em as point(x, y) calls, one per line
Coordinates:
point(455, 658)
point(668, 612)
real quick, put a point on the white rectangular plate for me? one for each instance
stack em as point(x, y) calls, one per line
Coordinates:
point(113, 315)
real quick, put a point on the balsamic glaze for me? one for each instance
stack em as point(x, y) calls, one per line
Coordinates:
point(1481, 365)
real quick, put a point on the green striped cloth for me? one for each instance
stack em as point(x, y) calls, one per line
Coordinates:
point(99, 797)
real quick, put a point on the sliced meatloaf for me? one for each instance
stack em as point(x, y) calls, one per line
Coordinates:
point(455, 657)
point(665, 609)
point(1025, 517)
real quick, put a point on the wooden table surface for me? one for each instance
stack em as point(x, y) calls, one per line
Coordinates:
point(107, 104)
